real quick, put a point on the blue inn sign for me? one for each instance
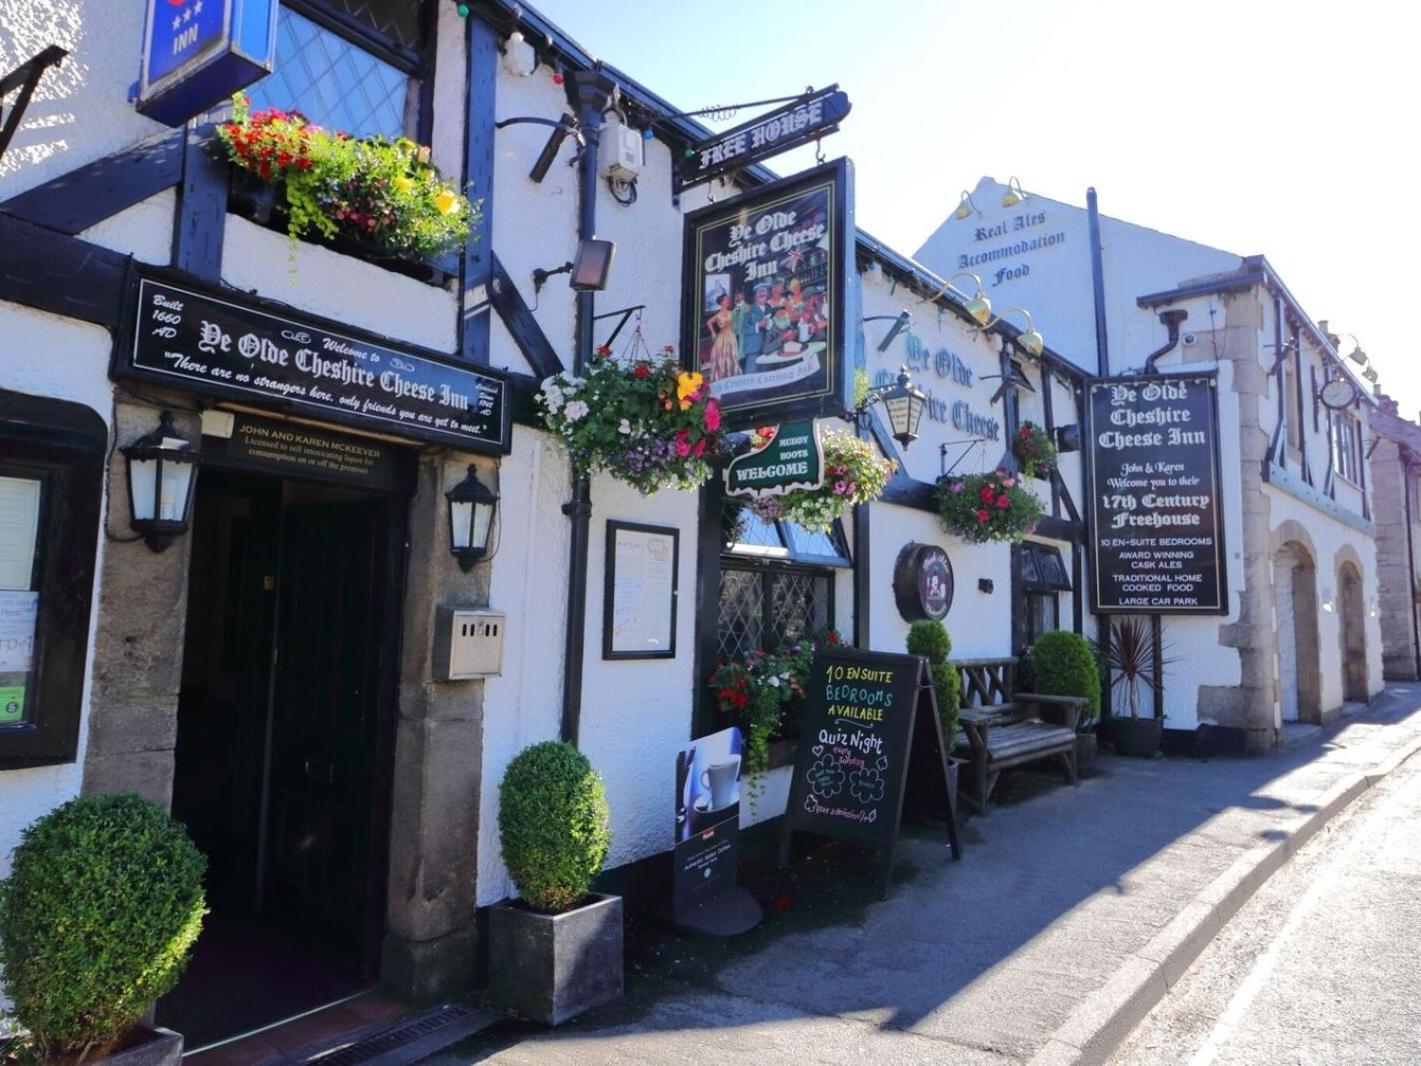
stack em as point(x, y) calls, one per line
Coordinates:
point(196, 53)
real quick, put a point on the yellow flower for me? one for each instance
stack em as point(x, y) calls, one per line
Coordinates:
point(403, 182)
point(688, 382)
point(447, 201)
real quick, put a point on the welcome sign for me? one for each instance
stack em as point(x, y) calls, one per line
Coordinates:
point(765, 292)
point(782, 458)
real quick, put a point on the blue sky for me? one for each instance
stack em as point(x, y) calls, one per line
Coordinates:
point(1255, 126)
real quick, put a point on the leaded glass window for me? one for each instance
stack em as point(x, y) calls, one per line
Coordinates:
point(335, 82)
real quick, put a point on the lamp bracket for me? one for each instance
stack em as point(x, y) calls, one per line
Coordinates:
point(625, 312)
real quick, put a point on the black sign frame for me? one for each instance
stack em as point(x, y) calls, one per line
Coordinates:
point(828, 391)
point(1219, 605)
point(695, 170)
point(125, 364)
point(922, 775)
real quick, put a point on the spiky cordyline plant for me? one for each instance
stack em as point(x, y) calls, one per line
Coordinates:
point(1130, 656)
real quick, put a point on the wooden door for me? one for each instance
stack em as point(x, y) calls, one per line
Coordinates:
point(322, 877)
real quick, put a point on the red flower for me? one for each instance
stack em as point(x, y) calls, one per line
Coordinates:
point(781, 903)
point(981, 515)
point(700, 448)
point(712, 415)
point(641, 370)
point(1003, 502)
point(604, 350)
point(988, 494)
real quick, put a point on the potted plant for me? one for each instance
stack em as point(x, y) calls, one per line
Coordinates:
point(1034, 450)
point(987, 507)
point(1130, 656)
point(372, 194)
point(643, 420)
point(758, 691)
point(1062, 663)
point(854, 473)
point(928, 638)
point(101, 907)
point(557, 951)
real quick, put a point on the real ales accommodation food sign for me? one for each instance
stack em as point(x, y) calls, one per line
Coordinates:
point(1153, 475)
point(764, 297)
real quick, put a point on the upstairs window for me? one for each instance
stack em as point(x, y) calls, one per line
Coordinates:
point(1347, 447)
point(350, 65)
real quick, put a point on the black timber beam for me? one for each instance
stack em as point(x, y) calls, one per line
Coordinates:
point(527, 334)
point(64, 275)
point(481, 74)
point(87, 195)
point(201, 221)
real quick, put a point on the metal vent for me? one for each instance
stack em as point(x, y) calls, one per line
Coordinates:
point(404, 1041)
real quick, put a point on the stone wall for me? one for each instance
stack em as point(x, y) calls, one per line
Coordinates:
point(1390, 468)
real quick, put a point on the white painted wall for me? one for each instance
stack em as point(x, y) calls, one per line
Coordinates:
point(45, 355)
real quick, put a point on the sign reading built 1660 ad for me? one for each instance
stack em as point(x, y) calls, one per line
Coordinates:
point(764, 297)
point(1153, 476)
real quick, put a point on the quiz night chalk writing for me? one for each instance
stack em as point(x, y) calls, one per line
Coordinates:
point(848, 776)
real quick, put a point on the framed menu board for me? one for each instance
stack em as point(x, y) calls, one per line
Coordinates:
point(639, 601)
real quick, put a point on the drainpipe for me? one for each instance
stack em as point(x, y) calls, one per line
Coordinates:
point(589, 91)
point(1097, 278)
point(1410, 563)
point(1172, 317)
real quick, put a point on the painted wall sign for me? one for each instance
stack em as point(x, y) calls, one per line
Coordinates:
point(782, 458)
point(197, 53)
point(1011, 238)
point(289, 449)
point(765, 287)
point(870, 737)
point(922, 582)
point(949, 367)
point(1152, 472)
point(214, 344)
point(812, 116)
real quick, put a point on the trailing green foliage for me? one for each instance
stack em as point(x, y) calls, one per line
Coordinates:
point(929, 638)
point(552, 821)
point(96, 919)
point(1062, 664)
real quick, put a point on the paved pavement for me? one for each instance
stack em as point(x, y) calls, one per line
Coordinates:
point(1322, 965)
point(1015, 952)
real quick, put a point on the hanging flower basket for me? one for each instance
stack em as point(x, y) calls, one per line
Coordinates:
point(854, 473)
point(383, 194)
point(987, 507)
point(1034, 450)
point(643, 420)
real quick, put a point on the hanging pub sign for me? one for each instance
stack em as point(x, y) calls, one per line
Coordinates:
point(870, 742)
point(765, 283)
point(262, 353)
point(781, 458)
point(922, 582)
point(811, 116)
point(197, 53)
point(1152, 472)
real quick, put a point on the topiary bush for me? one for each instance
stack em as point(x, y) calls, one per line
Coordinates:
point(552, 821)
point(1062, 664)
point(929, 639)
point(96, 919)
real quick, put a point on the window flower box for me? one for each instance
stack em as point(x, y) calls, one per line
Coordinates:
point(378, 200)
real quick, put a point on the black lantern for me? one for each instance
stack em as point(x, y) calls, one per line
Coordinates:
point(905, 403)
point(471, 511)
point(162, 473)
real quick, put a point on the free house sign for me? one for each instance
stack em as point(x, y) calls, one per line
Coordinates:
point(229, 346)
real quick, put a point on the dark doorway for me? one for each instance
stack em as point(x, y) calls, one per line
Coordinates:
point(283, 746)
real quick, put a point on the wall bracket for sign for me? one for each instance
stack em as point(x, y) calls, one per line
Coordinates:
point(870, 746)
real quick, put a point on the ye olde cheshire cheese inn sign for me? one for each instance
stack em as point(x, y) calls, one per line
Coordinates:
point(185, 338)
point(1153, 477)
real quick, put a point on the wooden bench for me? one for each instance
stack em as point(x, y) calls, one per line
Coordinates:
point(1002, 728)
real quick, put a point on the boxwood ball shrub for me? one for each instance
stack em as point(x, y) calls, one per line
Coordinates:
point(1062, 664)
point(929, 639)
point(96, 919)
point(552, 821)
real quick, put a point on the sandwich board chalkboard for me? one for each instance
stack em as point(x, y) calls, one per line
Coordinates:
point(870, 740)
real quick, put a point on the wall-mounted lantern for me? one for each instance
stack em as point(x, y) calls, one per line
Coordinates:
point(977, 305)
point(965, 207)
point(1028, 340)
point(472, 506)
point(162, 474)
point(1015, 194)
point(904, 403)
